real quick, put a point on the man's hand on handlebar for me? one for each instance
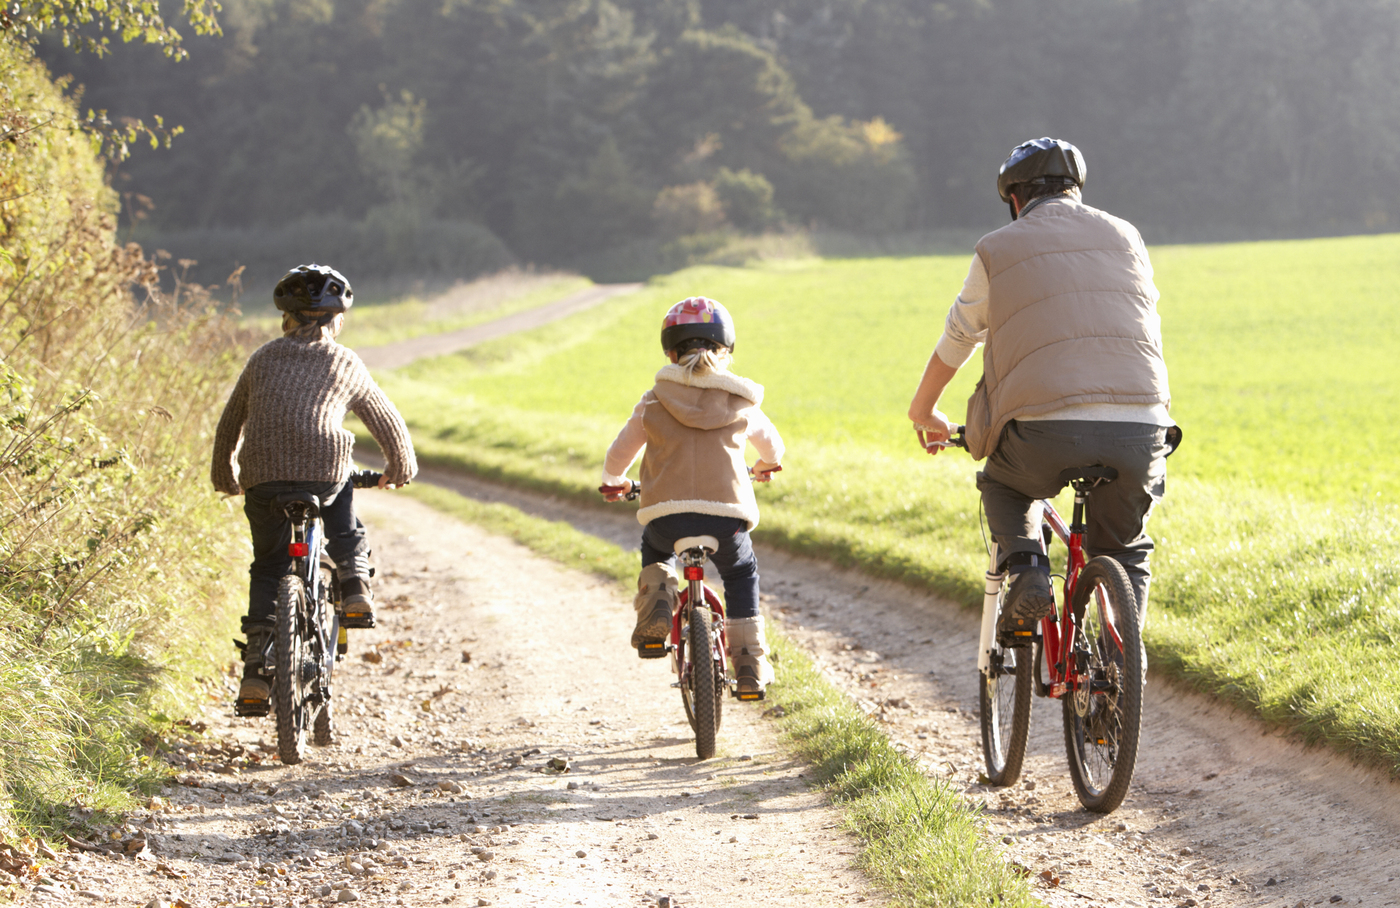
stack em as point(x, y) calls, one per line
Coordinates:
point(763, 471)
point(936, 433)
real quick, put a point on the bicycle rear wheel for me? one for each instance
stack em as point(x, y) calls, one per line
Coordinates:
point(1103, 716)
point(701, 687)
point(1005, 699)
point(289, 688)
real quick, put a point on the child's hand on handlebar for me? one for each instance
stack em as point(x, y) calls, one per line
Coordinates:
point(763, 471)
point(628, 490)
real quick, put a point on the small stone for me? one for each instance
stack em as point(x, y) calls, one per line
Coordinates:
point(485, 856)
point(397, 741)
point(1121, 827)
point(401, 780)
point(347, 895)
point(482, 901)
point(1029, 785)
point(1334, 899)
point(157, 903)
point(736, 840)
point(91, 894)
point(489, 874)
point(580, 853)
point(572, 786)
point(558, 764)
point(1181, 892)
point(231, 857)
point(356, 868)
point(450, 787)
point(651, 836)
point(744, 758)
point(1188, 850)
point(663, 902)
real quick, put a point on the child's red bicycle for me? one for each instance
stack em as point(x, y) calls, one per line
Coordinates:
point(1088, 655)
point(697, 644)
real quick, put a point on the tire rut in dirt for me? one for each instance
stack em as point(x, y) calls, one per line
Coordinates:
point(1102, 729)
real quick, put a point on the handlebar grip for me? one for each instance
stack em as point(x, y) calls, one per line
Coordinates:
point(366, 479)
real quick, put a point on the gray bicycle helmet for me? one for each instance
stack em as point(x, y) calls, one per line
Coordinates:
point(314, 290)
point(1043, 160)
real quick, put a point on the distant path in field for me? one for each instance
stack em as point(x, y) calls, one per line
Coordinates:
point(392, 356)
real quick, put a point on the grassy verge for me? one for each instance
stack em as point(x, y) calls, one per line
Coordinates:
point(1274, 576)
point(921, 842)
point(113, 548)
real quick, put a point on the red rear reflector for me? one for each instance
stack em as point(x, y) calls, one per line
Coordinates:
point(694, 573)
point(297, 549)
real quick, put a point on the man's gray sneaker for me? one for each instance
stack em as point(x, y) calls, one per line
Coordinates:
point(1029, 598)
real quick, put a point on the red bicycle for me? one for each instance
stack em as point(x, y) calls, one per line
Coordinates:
point(1088, 654)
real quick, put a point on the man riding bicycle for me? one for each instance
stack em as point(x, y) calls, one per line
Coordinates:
point(1073, 374)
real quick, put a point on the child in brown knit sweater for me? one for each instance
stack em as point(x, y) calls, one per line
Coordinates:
point(283, 420)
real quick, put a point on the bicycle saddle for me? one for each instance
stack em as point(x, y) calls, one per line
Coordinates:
point(1094, 476)
point(281, 502)
point(709, 543)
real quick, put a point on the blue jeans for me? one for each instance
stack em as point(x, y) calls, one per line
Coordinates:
point(738, 567)
point(345, 538)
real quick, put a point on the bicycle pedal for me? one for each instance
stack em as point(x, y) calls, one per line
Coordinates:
point(652, 649)
point(750, 695)
point(358, 620)
point(251, 709)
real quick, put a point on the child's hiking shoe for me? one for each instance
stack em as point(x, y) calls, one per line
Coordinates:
point(254, 693)
point(356, 603)
point(1029, 599)
point(655, 603)
point(748, 650)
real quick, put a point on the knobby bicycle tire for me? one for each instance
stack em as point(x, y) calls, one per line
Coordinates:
point(288, 687)
point(1103, 727)
point(702, 681)
point(323, 730)
point(1005, 712)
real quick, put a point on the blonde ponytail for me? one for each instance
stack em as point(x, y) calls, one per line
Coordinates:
point(702, 361)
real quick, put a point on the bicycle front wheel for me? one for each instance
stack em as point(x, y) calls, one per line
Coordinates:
point(702, 684)
point(327, 627)
point(1103, 714)
point(289, 688)
point(1005, 700)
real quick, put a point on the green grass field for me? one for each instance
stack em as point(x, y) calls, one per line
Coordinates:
point(1275, 578)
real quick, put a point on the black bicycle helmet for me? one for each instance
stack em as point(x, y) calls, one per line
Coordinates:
point(313, 290)
point(1043, 160)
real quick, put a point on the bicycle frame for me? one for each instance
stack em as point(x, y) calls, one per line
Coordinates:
point(307, 549)
point(693, 571)
point(1057, 632)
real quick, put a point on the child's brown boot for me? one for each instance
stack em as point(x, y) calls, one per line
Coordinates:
point(748, 650)
point(657, 589)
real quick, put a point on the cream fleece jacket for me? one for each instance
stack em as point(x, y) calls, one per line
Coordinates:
point(694, 433)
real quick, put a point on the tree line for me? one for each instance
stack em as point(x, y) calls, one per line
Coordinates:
point(564, 128)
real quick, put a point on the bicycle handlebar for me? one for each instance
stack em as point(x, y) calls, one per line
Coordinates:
point(633, 490)
point(957, 440)
point(366, 479)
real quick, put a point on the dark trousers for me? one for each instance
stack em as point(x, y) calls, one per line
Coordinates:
point(345, 538)
point(738, 567)
point(1025, 468)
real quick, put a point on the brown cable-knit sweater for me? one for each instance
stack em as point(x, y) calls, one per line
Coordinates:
point(288, 407)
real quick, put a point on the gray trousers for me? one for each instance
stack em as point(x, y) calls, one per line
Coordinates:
point(1025, 468)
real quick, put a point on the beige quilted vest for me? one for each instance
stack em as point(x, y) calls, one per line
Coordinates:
point(1071, 318)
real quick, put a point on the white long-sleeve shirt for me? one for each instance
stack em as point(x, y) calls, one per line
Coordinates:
point(965, 330)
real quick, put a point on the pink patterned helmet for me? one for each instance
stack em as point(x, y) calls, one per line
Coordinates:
point(697, 318)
